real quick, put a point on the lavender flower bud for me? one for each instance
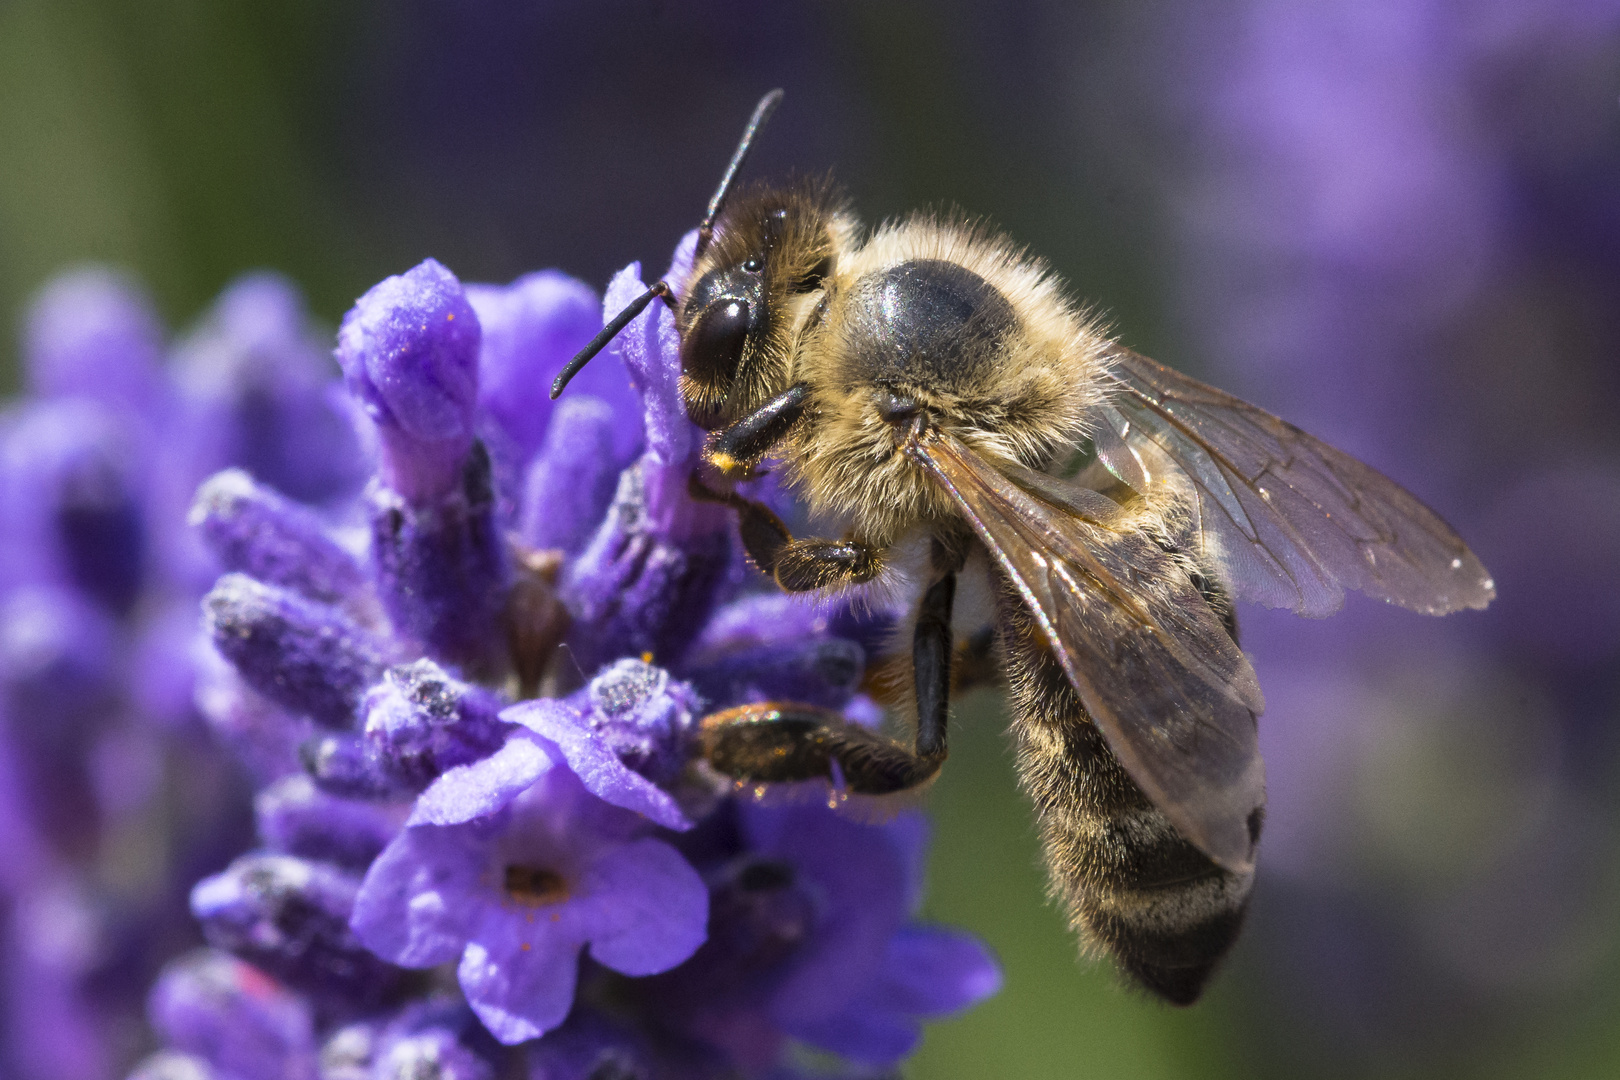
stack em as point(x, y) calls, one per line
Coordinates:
point(298, 818)
point(258, 531)
point(531, 328)
point(259, 395)
point(290, 918)
point(645, 717)
point(442, 567)
point(570, 484)
point(644, 585)
point(347, 767)
point(305, 656)
point(819, 671)
point(233, 1016)
point(409, 350)
point(57, 685)
point(91, 333)
point(419, 722)
point(74, 504)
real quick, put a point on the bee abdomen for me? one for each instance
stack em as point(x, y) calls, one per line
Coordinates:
point(1136, 890)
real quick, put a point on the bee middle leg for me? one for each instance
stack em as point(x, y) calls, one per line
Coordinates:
point(772, 743)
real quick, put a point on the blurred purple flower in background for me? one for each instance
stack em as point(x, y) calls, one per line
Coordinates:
point(436, 804)
point(1402, 233)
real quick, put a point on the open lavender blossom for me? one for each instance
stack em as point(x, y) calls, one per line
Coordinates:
point(486, 843)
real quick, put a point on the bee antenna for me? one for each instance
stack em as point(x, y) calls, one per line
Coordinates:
point(607, 334)
point(762, 112)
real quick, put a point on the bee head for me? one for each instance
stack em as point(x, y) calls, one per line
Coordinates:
point(750, 291)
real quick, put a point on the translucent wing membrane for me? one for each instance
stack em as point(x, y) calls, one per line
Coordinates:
point(1287, 519)
point(1154, 667)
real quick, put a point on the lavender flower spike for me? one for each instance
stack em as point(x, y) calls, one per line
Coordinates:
point(409, 350)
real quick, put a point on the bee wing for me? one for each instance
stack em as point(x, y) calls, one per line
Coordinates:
point(1290, 521)
point(1157, 672)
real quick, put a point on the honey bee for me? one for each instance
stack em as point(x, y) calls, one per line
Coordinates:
point(931, 383)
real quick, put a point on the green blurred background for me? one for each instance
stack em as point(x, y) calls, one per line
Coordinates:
point(342, 142)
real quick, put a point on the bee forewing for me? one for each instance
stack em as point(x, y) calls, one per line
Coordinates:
point(1290, 521)
point(1156, 670)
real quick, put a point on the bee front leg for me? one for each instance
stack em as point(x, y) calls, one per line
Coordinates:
point(797, 565)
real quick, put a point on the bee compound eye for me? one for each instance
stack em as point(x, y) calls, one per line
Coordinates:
point(714, 345)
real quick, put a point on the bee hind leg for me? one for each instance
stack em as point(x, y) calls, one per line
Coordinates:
point(771, 742)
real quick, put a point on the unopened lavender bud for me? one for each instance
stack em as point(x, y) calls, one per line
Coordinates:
point(296, 817)
point(409, 350)
point(647, 582)
point(441, 567)
point(419, 721)
point(305, 656)
point(819, 671)
point(531, 328)
point(346, 766)
point(73, 489)
point(570, 483)
point(92, 333)
point(239, 1020)
point(257, 383)
point(290, 917)
point(255, 529)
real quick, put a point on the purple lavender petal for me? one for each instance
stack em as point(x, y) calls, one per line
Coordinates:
point(290, 917)
point(296, 817)
point(601, 771)
point(308, 657)
point(441, 566)
point(483, 787)
point(92, 333)
point(409, 350)
point(651, 909)
point(413, 907)
point(533, 327)
point(862, 880)
point(233, 1016)
point(650, 349)
point(254, 529)
point(419, 721)
point(928, 972)
point(519, 972)
point(570, 482)
point(934, 970)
